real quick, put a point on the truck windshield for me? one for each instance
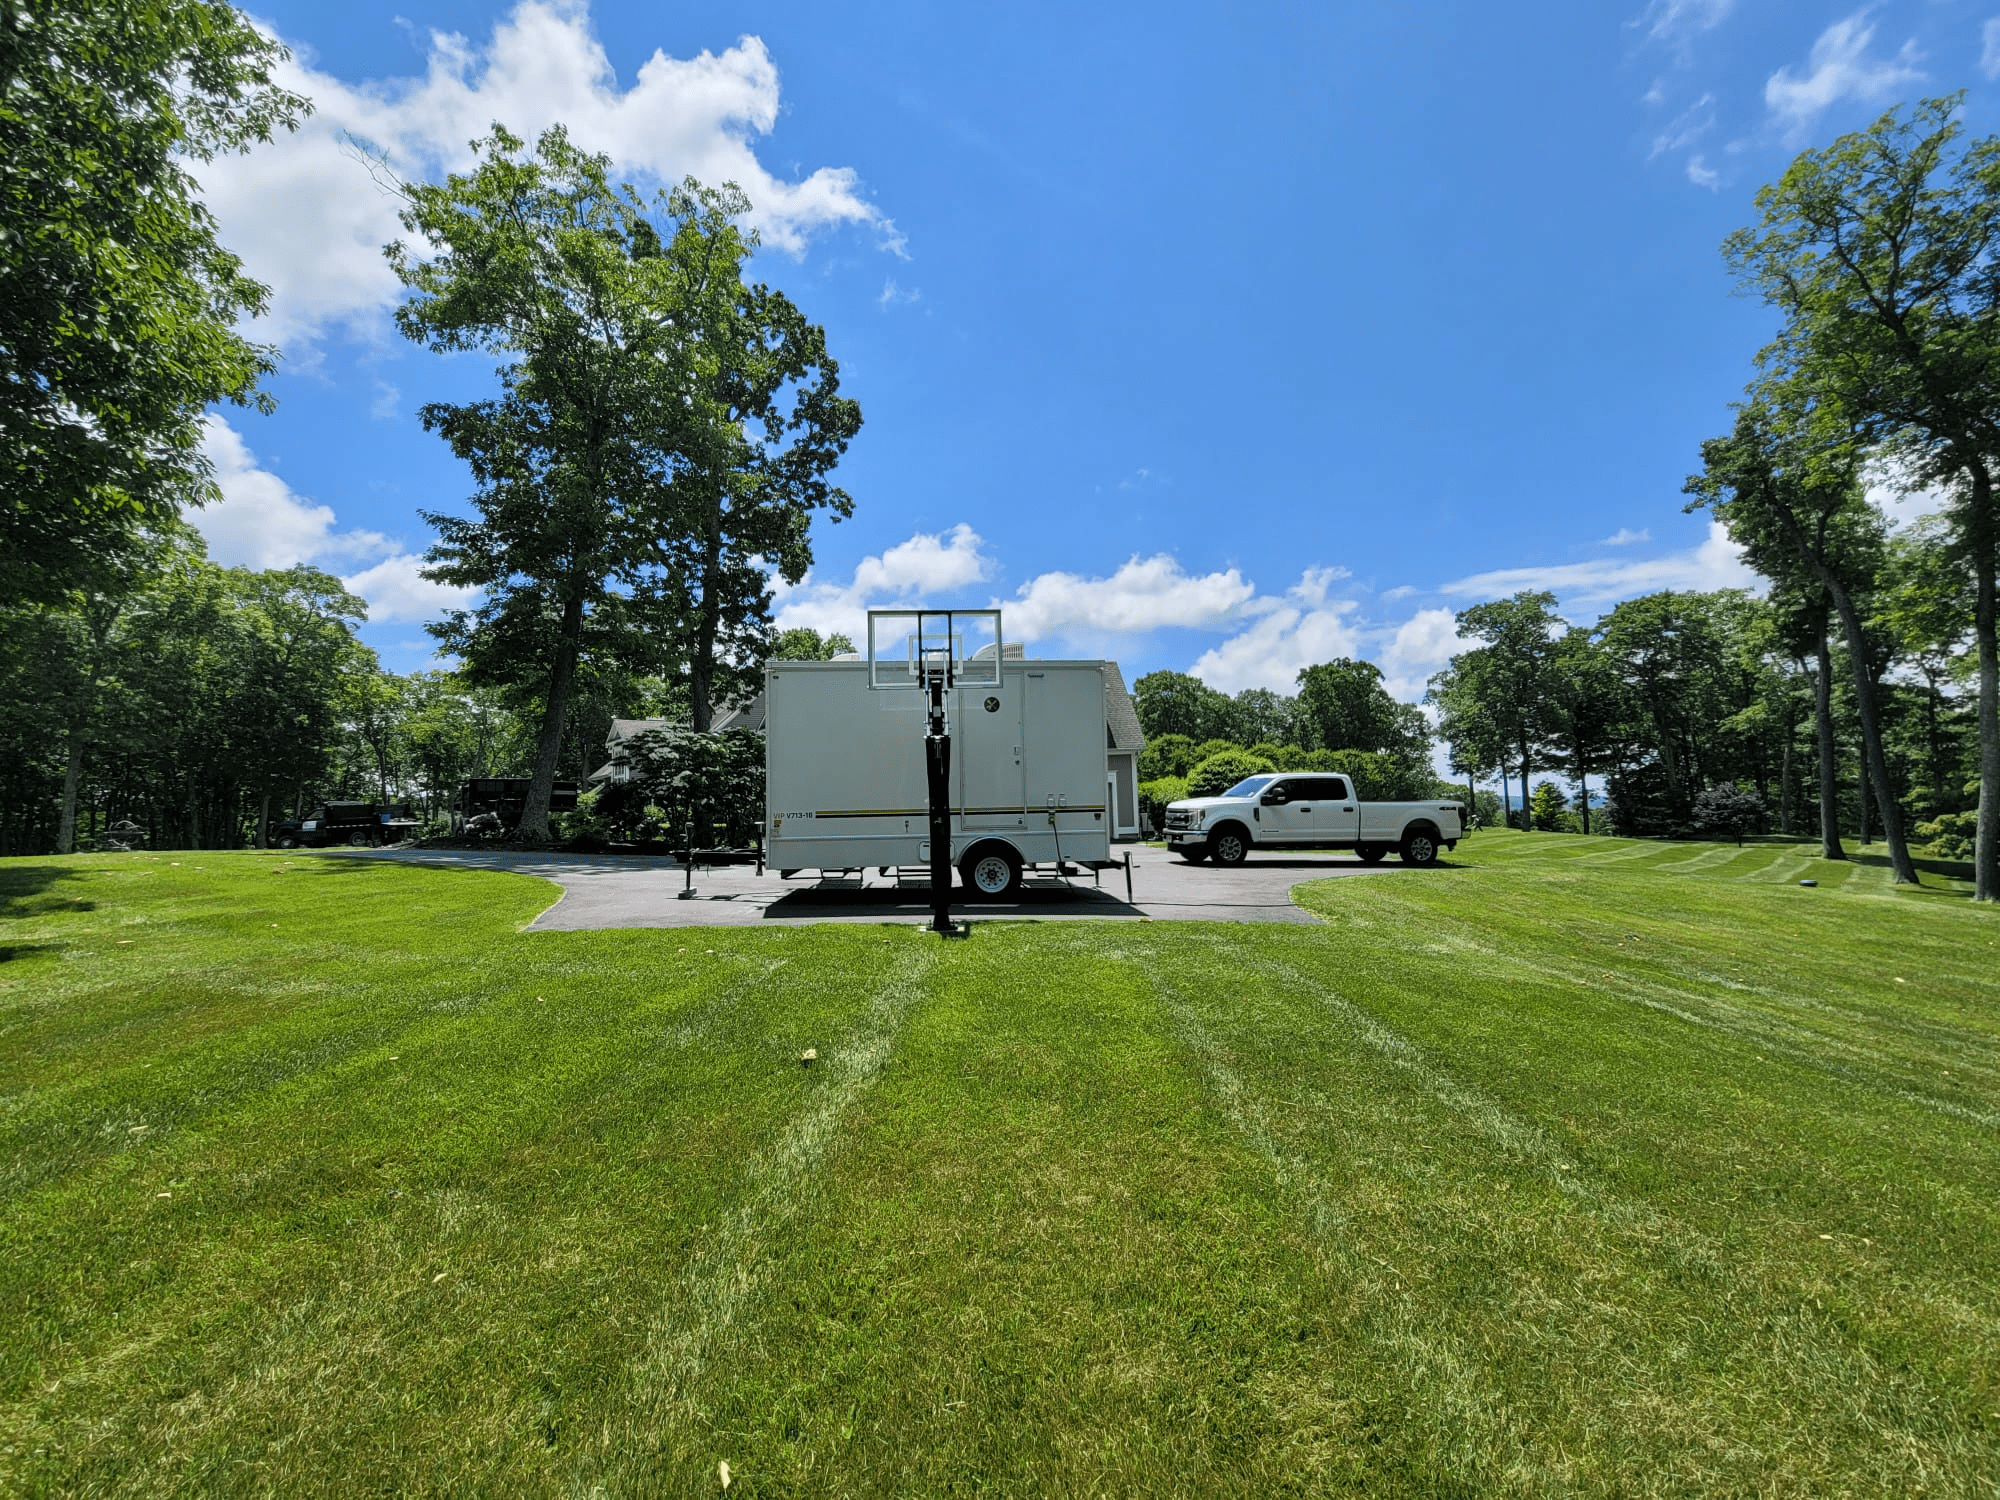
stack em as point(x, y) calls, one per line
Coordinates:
point(1250, 786)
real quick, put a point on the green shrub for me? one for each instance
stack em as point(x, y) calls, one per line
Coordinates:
point(1166, 755)
point(1949, 836)
point(1209, 748)
point(1727, 811)
point(1154, 796)
point(1219, 772)
point(1546, 808)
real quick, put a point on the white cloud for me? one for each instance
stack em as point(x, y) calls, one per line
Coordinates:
point(1989, 48)
point(1900, 495)
point(1625, 536)
point(1701, 174)
point(915, 571)
point(1715, 564)
point(1291, 633)
point(310, 221)
point(1421, 646)
point(395, 590)
point(1689, 126)
point(1681, 20)
point(260, 522)
point(1145, 594)
point(897, 296)
point(1839, 67)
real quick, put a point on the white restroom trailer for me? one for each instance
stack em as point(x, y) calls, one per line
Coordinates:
point(845, 782)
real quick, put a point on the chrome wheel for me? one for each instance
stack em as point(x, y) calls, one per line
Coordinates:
point(1420, 849)
point(1228, 847)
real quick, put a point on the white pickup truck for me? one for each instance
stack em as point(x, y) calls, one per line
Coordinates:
point(1309, 810)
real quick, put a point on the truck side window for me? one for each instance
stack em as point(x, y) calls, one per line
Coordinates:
point(1336, 789)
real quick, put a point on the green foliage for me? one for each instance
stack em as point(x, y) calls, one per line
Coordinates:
point(1379, 776)
point(1213, 747)
point(1157, 794)
point(118, 309)
point(707, 776)
point(1166, 755)
point(1343, 706)
point(1547, 807)
point(1728, 811)
point(1217, 773)
point(1950, 835)
point(803, 643)
point(1175, 703)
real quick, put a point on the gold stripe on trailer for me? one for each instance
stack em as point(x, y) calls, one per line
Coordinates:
point(925, 812)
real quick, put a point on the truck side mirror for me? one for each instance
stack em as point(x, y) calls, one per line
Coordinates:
point(1273, 798)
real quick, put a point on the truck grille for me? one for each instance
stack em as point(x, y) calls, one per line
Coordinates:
point(1179, 817)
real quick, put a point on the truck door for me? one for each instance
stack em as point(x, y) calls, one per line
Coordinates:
point(1335, 811)
point(1286, 812)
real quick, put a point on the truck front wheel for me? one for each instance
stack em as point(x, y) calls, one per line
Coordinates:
point(1194, 854)
point(1229, 846)
point(991, 874)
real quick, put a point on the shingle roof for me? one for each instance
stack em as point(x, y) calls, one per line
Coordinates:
point(1120, 717)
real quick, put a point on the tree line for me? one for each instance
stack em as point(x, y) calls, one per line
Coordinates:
point(659, 438)
point(1879, 255)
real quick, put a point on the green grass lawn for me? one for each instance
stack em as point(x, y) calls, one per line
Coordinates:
point(1585, 1166)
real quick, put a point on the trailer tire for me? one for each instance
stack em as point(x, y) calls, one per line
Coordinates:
point(991, 872)
point(1229, 845)
point(1370, 854)
point(1420, 845)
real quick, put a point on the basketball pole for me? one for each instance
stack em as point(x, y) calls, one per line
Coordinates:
point(937, 766)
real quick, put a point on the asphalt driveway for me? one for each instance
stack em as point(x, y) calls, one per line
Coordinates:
point(602, 890)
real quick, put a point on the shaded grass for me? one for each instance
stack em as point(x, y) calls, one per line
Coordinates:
point(1584, 1167)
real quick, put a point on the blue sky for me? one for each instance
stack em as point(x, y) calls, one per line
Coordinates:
point(1217, 337)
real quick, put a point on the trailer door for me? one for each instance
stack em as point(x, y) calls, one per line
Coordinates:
point(987, 754)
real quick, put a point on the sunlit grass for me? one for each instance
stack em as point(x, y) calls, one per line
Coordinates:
point(1584, 1166)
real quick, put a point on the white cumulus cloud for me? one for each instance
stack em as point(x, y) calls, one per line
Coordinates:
point(920, 570)
point(310, 221)
point(1146, 593)
point(260, 522)
point(396, 590)
point(1302, 628)
point(1989, 48)
point(1839, 67)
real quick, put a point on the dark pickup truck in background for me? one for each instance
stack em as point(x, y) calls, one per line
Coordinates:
point(362, 823)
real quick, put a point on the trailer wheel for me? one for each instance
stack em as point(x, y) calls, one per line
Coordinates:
point(1371, 854)
point(1229, 845)
point(992, 873)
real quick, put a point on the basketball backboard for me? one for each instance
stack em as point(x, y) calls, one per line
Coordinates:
point(909, 647)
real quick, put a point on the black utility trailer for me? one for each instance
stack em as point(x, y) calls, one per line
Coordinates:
point(505, 798)
point(361, 823)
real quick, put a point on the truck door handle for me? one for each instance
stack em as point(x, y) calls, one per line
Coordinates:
point(1347, 809)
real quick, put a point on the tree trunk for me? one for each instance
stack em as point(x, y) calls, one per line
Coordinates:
point(1986, 844)
point(72, 775)
point(1526, 827)
point(1904, 872)
point(1786, 788)
point(1829, 781)
point(1505, 793)
point(701, 662)
point(548, 744)
point(264, 819)
point(1866, 816)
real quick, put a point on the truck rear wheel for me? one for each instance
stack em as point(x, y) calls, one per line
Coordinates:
point(1229, 845)
point(1370, 854)
point(991, 874)
point(1420, 847)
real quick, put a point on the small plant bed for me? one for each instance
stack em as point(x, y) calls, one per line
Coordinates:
point(1589, 1166)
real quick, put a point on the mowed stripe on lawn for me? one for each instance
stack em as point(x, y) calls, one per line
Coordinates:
point(1549, 1172)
